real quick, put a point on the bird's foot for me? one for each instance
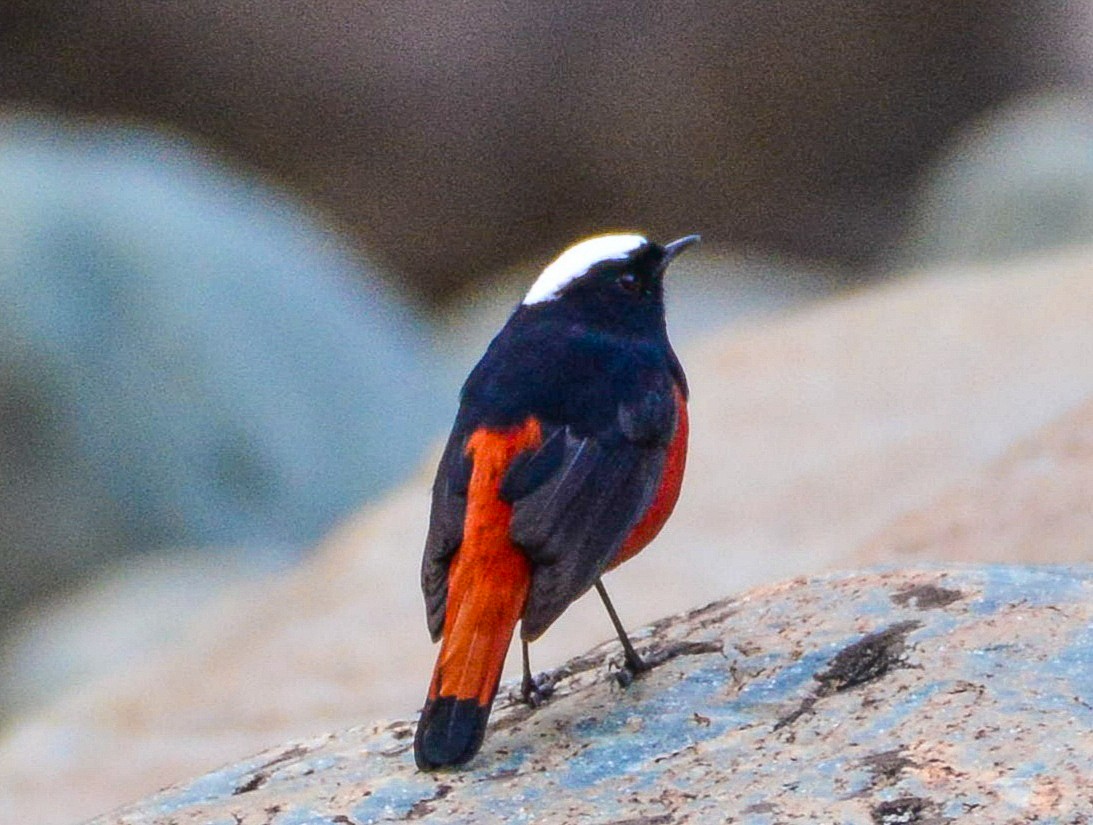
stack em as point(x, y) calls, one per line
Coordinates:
point(635, 665)
point(535, 690)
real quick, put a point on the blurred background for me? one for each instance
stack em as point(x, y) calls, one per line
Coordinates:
point(249, 249)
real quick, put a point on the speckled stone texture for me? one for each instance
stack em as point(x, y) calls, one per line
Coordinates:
point(947, 695)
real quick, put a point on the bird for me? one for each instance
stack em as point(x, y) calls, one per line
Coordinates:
point(565, 459)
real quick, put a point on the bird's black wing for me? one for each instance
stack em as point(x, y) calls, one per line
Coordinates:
point(578, 497)
point(449, 509)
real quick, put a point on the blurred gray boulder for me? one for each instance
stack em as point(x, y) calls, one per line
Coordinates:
point(1016, 181)
point(187, 357)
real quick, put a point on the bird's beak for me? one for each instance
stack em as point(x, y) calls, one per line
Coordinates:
point(675, 247)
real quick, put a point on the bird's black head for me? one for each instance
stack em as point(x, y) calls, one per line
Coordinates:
point(575, 348)
point(612, 283)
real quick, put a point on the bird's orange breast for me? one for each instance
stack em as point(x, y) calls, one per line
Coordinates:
point(667, 493)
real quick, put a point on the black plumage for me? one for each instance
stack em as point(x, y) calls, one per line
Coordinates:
point(596, 370)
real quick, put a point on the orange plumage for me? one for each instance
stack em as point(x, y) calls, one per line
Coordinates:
point(489, 576)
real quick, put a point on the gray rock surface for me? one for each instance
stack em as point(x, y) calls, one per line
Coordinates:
point(949, 695)
point(1015, 181)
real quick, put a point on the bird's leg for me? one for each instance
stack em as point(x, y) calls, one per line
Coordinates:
point(534, 690)
point(634, 663)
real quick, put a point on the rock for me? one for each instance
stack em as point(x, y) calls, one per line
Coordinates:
point(1015, 181)
point(961, 695)
point(1034, 504)
point(118, 616)
point(186, 358)
point(811, 433)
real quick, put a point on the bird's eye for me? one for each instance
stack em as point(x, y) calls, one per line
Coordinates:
point(630, 282)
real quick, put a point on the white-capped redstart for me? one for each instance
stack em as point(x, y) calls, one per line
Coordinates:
point(565, 459)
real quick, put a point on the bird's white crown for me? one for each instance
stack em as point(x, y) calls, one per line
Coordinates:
point(577, 260)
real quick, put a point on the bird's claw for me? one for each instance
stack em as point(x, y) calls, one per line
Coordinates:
point(536, 690)
point(634, 667)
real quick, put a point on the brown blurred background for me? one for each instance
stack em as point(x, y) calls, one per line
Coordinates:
point(454, 139)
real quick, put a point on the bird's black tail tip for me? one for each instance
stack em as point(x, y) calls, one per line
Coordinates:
point(450, 732)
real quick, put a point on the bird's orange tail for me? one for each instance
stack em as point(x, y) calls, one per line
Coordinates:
point(488, 584)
